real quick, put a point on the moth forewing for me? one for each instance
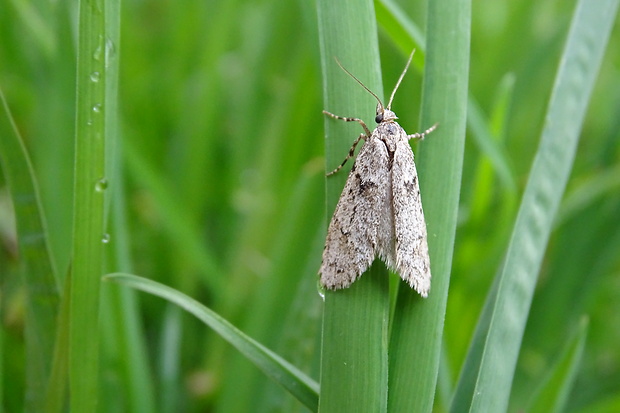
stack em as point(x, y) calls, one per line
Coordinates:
point(352, 237)
point(412, 259)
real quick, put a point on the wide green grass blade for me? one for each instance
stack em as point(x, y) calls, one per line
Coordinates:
point(486, 379)
point(416, 335)
point(37, 267)
point(287, 375)
point(355, 320)
point(354, 348)
point(95, 49)
point(553, 395)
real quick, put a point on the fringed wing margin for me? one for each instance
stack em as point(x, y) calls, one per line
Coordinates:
point(411, 248)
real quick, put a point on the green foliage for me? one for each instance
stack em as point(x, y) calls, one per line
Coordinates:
point(487, 377)
point(214, 158)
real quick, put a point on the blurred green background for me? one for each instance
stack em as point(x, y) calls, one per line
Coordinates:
point(217, 190)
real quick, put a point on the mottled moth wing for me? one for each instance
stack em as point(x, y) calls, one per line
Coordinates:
point(362, 211)
point(412, 261)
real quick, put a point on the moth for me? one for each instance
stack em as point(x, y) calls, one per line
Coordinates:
point(379, 213)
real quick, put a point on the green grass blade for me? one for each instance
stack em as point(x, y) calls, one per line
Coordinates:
point(354, 360)
point(354, 336)
point(55, 398)
point(553, 395)
point(40, 29)
point(90, 182)
point(37, 267)
point(287, 375)
point(2, 374)
point(589, 192)
point(490, 146)
point(507, 310)
point(415, 344)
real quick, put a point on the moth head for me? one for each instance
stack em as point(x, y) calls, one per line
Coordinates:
point(383, 114)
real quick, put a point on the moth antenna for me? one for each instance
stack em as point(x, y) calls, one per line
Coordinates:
point(400, 79)
point(360, 82)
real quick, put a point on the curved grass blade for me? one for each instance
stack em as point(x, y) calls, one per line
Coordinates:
point(288, 376)
point(486, 379)
point(36, 260)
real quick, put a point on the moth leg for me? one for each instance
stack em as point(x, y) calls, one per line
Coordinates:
point(421, 136)
point(352, 150)
point(350, 155)
point(361, 122)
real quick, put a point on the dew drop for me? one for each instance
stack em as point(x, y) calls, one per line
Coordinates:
point(101, 185)
point(95, 76)
point(320, 290)
point(97, 53)
point(110, 51)
point(106, 238)
point(97, 107)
